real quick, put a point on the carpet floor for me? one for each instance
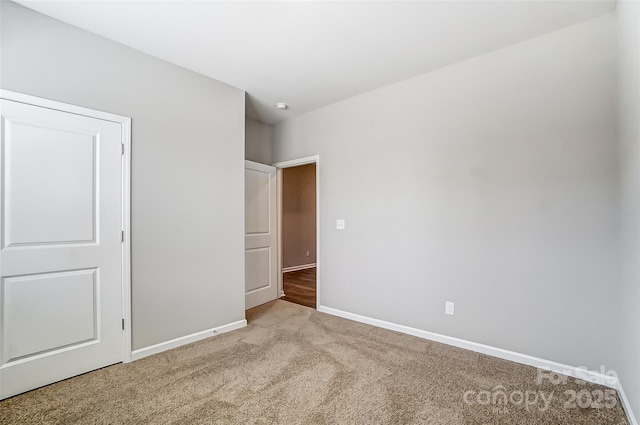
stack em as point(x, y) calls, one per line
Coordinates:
point(294, 365)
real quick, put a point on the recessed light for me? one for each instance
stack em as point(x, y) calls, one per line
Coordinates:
point(282, 106)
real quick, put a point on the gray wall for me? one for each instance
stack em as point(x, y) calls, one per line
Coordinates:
point(628, 363)
point(299, 215)
point(492, 183)
point(187, 166)
point(257, 141)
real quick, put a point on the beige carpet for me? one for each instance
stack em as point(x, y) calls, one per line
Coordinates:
point(293, 365)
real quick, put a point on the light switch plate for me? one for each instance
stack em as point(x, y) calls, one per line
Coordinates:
point(340, 224)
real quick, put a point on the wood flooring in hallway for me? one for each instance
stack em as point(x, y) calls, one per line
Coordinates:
point(300, 287)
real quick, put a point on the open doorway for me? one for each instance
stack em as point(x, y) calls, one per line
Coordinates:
point(297, 189)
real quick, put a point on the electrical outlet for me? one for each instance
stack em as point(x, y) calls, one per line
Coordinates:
point(308, 253)
point(449, 308)
point(340, 224)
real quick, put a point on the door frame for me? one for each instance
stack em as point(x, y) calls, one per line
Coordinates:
point(314, 159)
point(125, 125)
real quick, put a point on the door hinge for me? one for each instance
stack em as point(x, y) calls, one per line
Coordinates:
point(122, 236)
point(122, 149)
point(122, 324)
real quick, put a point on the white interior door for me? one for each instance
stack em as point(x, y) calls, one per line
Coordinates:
point(60, 245)
point(260, 263)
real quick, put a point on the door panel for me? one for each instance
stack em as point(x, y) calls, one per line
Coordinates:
point(258, 201)
point(258, 268)
point(49, 311)
point(49, 185)
point(261, 283)
point(61, 256)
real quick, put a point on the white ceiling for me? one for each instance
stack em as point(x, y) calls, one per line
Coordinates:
point(310, 54)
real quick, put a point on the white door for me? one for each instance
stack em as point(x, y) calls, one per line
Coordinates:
point(260, 260)
point(60, 245)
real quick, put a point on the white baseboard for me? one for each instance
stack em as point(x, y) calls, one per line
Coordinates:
point(187, 339)
point(296, 268)
point(572, 371)
point(625, 404)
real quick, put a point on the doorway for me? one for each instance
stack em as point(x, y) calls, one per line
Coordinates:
point(300, 287)
point(298, 230)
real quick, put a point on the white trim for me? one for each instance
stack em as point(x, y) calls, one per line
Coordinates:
point(278, 227)
point(625, 404)
point(572, 371)
point(126, 247)
point(297, 268)
point(187, 339)
point(258, 166)
point(125, 123)
point(478, 348)
point(61, 106)
point(294, 163)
